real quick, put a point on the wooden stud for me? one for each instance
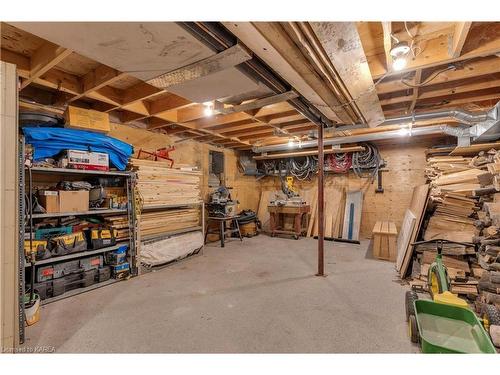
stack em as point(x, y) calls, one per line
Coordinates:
point(458, 40)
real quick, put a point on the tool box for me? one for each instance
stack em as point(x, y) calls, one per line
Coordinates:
point(99, 238)
point(62, 269)
point(120, 271)
point(56, 287)
point(39, 247)
point(67, 244)
point(117, 257)
point(45, 233)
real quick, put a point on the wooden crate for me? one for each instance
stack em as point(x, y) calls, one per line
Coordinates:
point(384, 240)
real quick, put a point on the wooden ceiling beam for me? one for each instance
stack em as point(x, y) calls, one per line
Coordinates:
point(459, 88)
point(470, 69)
point(167, 103)
point(457, 41)
point(97, 78)
point(23, 63)
point(387, 30)
point(45, 58)
point(435, 52)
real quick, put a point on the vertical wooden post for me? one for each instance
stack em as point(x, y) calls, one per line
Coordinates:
point(321, 203)
point(9, 198)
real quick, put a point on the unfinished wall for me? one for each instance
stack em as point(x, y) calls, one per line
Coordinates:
point(244, 188)
point(405, 164)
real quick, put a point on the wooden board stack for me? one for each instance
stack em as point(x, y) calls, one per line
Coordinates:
point(120, 223)
point(161, 185)
point(158, 222)
point(465, 207)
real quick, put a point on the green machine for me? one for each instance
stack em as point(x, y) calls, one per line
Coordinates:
point(445, 324)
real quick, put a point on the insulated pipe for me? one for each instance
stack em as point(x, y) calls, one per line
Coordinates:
point(434, 129)
point(321, 204)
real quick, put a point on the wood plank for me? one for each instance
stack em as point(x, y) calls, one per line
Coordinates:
point(475, 149)
point(44, 59)
point(458, 40)
point(417, 207)
point(405, 239)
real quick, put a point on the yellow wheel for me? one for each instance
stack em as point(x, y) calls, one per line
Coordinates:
point(413, 329)
point(434, 288)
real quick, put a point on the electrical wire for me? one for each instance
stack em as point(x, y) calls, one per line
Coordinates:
point(366, 163)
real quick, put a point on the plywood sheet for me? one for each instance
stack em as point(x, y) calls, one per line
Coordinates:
point(404, 237)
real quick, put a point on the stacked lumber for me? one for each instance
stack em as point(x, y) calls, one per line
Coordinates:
point(464, 207)
point(158, 184)
point(158, 222)
point(335, 200)
point(120, 223)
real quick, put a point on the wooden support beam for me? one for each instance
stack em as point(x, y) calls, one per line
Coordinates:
point(436, 53)
point(23, 63)
point(416, 81)
point(457, 41)
point(474, 68)
point(228, 58)
point(259, 103)
point(97, 78)
point(447, 92)
point(387, 29)
point(274, 46)
point(45, 58)
point(168, 103)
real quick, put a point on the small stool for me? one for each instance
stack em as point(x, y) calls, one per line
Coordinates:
point(222, 227)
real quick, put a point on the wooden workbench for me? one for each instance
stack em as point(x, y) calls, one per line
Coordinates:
point(300, 221)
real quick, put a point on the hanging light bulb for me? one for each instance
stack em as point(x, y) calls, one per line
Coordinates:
point(399, 63)
point(291, 143)
point(209, 109)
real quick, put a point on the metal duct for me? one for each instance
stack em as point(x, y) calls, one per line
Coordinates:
point(435, 129)
point(462, 116)
point(488, 130)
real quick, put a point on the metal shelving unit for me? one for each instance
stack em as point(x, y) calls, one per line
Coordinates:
point(79, 171)
point(129, 182)
point(81, 213)
point(74, 292)
point(80, 254)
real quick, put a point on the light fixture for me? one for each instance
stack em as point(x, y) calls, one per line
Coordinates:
point(209, 109)
point(404, 131)
point(399, 49)
point(291, 143)
point(399, 63)
point(398, 53)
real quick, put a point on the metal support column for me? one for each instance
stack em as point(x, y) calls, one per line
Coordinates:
point(321, 204)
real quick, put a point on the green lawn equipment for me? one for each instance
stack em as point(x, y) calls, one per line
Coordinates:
point(444, 324)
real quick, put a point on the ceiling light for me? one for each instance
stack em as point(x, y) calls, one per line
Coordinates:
point(403, 132)
point(399, 63)
point(400, 49)
point(291, 143)
point(209, 109)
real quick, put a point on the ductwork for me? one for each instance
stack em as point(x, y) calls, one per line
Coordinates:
point(480, 126)
point(435, 129)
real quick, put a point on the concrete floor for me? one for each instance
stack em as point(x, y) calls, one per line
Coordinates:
point(260, 295)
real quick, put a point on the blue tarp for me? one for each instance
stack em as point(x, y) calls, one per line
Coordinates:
point(48, 142)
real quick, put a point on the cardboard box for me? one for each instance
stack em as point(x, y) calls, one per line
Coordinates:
point(77, 159)
point(73, 201)
point(86, 119)
point(49, 200)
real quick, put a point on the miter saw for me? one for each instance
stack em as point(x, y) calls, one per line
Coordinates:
point(290, 195)
point(221, 203)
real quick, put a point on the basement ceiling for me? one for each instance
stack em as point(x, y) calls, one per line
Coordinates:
point(145, 51)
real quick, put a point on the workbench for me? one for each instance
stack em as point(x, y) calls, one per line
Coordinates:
point(300, 221)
